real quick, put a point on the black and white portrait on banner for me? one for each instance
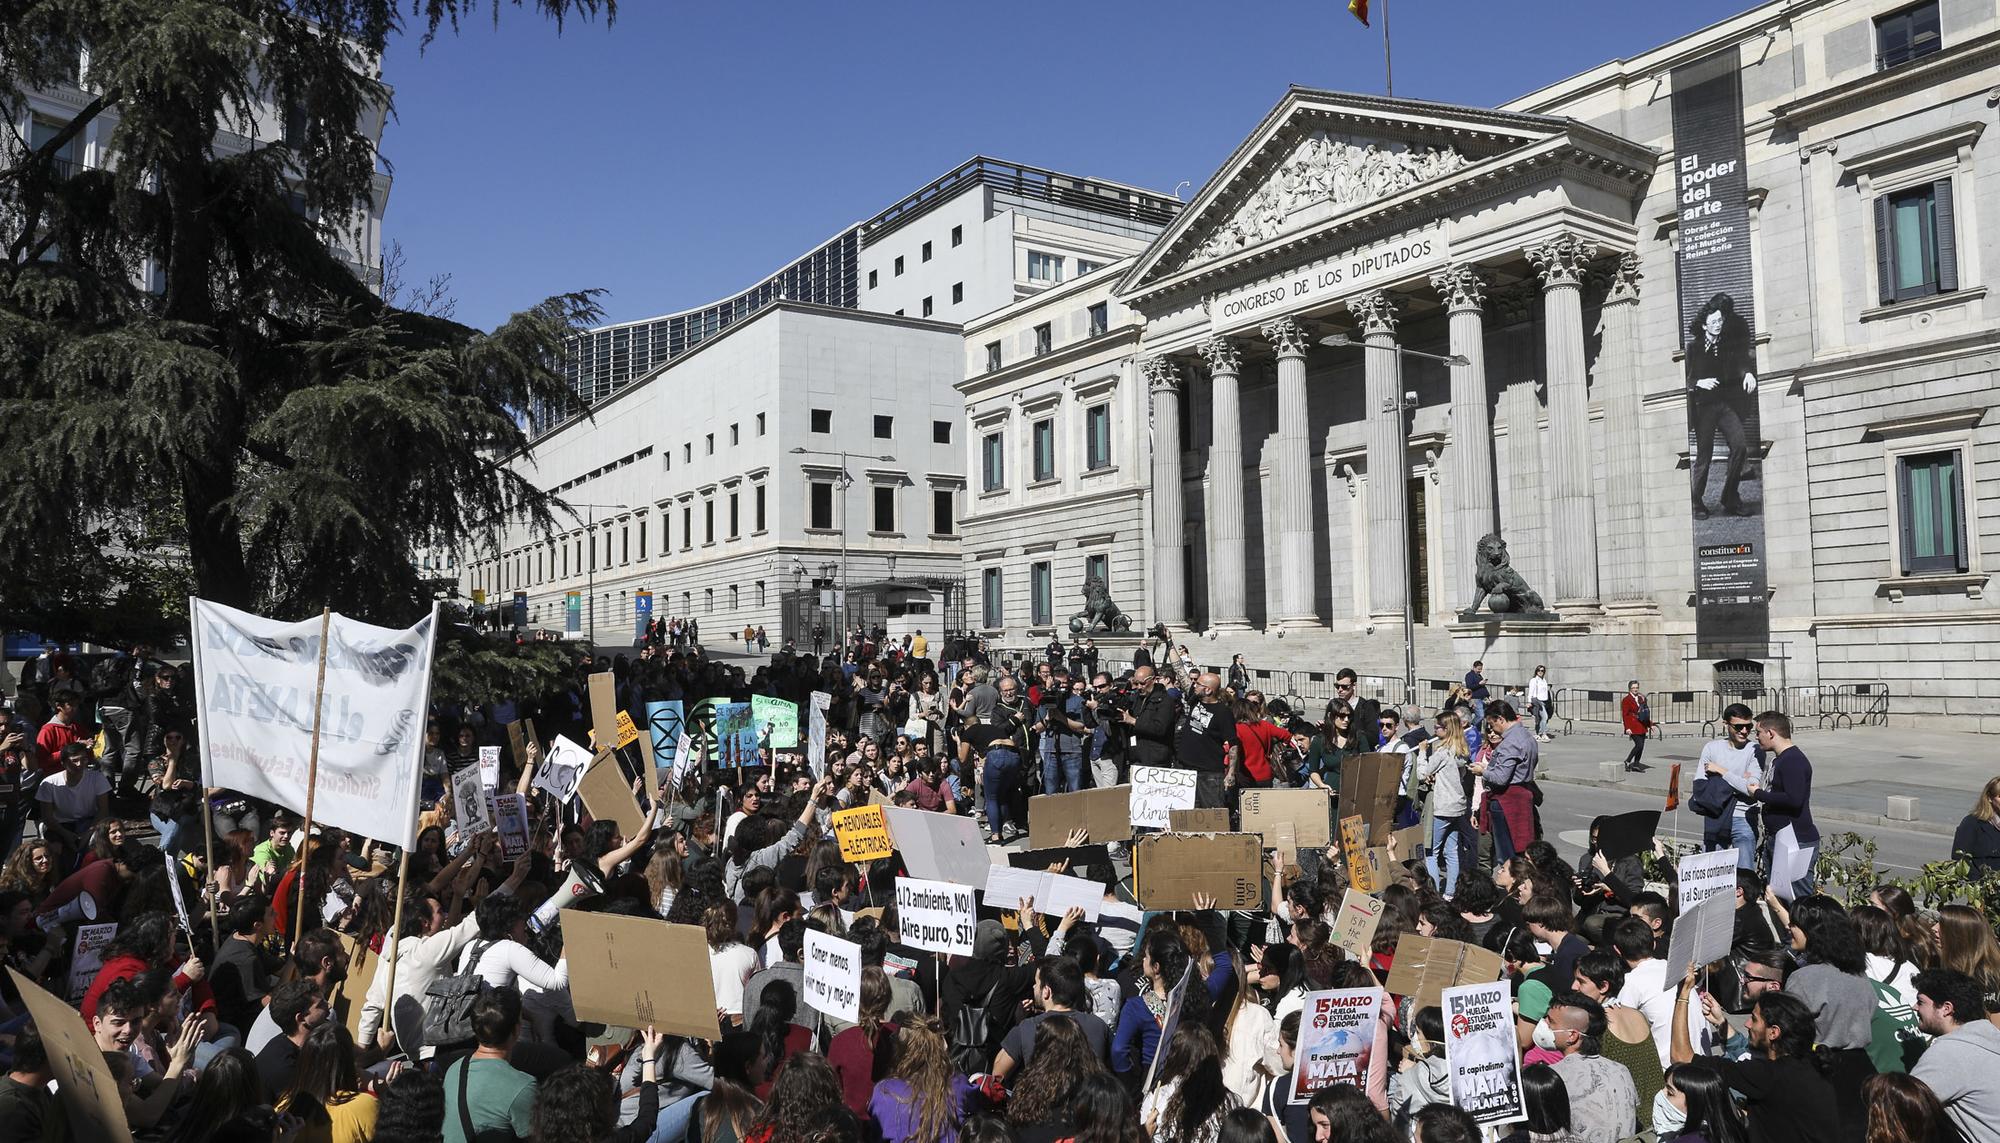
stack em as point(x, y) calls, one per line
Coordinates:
point(1719, 365)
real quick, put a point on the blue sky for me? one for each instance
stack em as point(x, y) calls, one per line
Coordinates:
point(691, 149)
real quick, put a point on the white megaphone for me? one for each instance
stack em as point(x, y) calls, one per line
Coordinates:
point(82, 907)
point(580, 883)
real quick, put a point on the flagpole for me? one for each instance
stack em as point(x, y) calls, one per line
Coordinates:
point(395, 938)
point(1388, 69)
point(312, 784)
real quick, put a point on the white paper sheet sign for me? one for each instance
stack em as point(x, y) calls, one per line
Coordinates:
point(936, 916)
point(833, 976)
point(1158, 790)
point(562, 769)
point(469, 806)
point(1336, 1040)
point(489, 766)
point(1480, 1052)
point(1703, 875)
point(1053, 893)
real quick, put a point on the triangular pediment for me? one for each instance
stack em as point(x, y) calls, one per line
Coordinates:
point(1319, 155)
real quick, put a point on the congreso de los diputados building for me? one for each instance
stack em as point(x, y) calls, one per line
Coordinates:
point(1681, 369)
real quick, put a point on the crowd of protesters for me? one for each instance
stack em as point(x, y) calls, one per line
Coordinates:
point(1872, 1020)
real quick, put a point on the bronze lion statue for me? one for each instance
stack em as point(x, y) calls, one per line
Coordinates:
point(1501, 588)
point(1099, 613)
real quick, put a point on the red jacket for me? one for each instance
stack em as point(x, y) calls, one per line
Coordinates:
point(1629, 710)
point(1257, 740)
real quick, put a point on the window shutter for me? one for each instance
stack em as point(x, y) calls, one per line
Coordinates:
point(1907, 542)
point(1947, 237)
point(1958, 492)
point(1885, 249)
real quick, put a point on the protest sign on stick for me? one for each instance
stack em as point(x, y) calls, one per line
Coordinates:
point(1481, 1053)
point(936, 916)
point(1156, 792)
point(863, 834)
point(90, 1096)
point(833, 976)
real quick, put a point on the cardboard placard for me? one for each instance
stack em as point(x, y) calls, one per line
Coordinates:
point(1355, 924)
point(84, 1085)
point(1207, 819)
point(832, 976)
point(1307, 811)
point(1106, 813)
point(1353, 844)
point(603, 690)
point(632, 972)
point(1168, 869)
point(517, 741)
point(352, 993)
point(941, 847)
point(628, 731)
point(936, 916)
point(1425, 966)
point(863, 834)
point(1156, 791)
point(607, 793)
point(1369, 784)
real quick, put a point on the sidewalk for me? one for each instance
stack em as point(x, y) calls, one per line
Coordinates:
point(1854, 771)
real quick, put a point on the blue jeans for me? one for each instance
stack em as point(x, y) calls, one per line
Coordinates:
point(1447, 835)
point(1002, 774)
point(672, 1125)
point(1744, 837)
point(1540, 710)
point(1070, 770)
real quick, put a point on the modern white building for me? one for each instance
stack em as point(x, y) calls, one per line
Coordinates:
point(1059, 455)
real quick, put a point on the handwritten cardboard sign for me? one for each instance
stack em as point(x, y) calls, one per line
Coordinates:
point(1306, 811)
point(1354, 926)
point(863, 834)
point(1208, 819)
point(833, 976)
point(1156, 791)
point(1369, 784)
point(936, 916)
point(777, 720)
point(634, 972)
point(607, 793)
point(628, 731)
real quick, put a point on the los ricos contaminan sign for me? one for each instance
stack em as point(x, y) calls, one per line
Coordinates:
point(1349, 274)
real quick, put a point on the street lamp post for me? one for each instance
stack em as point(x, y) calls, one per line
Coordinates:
point(845, 482)
point(1403, 407)
point(590, 565)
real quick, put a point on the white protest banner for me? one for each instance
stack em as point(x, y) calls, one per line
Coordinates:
point(468, 803)
point(562, 769)
point(1053, 893)
point(256, 682)
point(833, 976)
point(816, 733)
point(1336, 1040)
point(1480, 1052)
point(1157, 791)
point(1703, 875)
point(489, 766)
point(87, 956)
point(510, 818)
point(936, 916)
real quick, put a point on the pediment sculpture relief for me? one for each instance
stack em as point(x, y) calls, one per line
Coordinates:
point(1321, 170)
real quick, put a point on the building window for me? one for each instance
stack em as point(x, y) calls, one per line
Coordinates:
point(992, 356)
point(1041, 596)
point(1044, 267)
point(667, 461)
point(1044, 440)
point(563, 553)
point(624, 544)
point(874, 278)
point(1916, 243)
point(687, 527)
point(708, 521)
point(899, 265)
point(760, 424)
point(993, 462)
point(757, 506)
point(822, 420)
point(990, 598)
point(821, 515)
point(1085, 266)
point(735, 516)
point(927, 252)
point(733, 604)
point(708, 601)
point(1097, 568)
point(760, 593)
point(885, 427)
point(1100, 318)
point(735, 434)
point(709, 441)
point(687, 452)
point(885, 508)
point(929, 307)
point(958, 236)
point(1044, 338)
point(1931, 508)
point(940, 432)
point(957, 292)
point(1907, 35)
point(944, 513)
point(1097, 437)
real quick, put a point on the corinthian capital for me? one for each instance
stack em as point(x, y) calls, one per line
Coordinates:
point(1163, 374)
point(1222, 355)
point(1562, 260)
point(1376, 312)
point(1287, 336)
point(1625, 280)
point(1461, 287)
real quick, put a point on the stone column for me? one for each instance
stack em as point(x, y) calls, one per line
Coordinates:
point(1163, 381)
point(1291, 478)
point(1561, 262)
point(1626, 562)
point(1474, 513)
point(1388, 460)
point(1227, 606)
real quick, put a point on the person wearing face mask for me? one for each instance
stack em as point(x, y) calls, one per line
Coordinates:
point(1786, 1095)
point(1603, 1099)
point(1694, 1106)
point(1628, 1038)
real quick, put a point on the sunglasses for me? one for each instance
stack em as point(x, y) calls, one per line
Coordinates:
point(1740, 725)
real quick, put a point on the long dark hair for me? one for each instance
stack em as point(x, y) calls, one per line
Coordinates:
point(575, 1105)
point(1193, 1059)
point(1830, 934)
point(804, 1096)
point(1103, 1113)
point(1049, 1083)
point(1711, 1110)
point(1547, 1099)
point(410, 1109)
point(771, 1024)
point(326, 1063)
point(730, 1096)
point(228, 1087)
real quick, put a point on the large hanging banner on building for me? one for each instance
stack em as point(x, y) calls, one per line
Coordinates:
point(1718, 315)
point(573, 614)
point(642, 614)
point(255, 684)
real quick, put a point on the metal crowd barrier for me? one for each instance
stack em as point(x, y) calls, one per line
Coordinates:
point(1854, 704)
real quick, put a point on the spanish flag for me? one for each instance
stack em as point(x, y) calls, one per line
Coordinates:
point(1359, 9)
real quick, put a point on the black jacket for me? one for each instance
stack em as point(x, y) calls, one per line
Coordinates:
point(1157, 714)
point(1978, 844)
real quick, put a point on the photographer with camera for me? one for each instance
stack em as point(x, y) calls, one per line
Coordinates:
point(1151, 715)
point(1103, 707)
point(1061, 727)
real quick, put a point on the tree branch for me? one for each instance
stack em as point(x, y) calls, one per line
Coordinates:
point(61, 139)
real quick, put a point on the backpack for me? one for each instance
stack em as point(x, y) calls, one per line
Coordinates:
point(448, 1003)
point(970, 1028)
